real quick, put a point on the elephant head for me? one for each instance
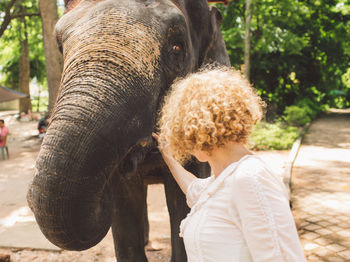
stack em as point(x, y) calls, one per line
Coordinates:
point(120, 57)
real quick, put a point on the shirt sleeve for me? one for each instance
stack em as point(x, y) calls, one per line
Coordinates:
point(194, 190)
point(267, 223)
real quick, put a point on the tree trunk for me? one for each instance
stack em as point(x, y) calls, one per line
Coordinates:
point(54, 61)
point(24, 72)
point(247, 40)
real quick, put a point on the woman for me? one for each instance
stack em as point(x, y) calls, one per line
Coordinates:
point(241, 212)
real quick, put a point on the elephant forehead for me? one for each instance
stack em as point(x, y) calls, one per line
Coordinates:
point(115, 36)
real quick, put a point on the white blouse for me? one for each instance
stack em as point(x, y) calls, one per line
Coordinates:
point(243, 215)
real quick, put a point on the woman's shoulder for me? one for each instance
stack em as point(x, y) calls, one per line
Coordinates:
point(255, 172)
point(252, 167)
point(251, 164)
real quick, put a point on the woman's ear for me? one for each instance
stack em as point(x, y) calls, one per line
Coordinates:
point(216, 51)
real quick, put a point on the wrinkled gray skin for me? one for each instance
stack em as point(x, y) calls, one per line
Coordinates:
point(120, 58)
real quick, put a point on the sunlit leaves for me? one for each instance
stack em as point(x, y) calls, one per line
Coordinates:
point(10, 45)
point(309, 38)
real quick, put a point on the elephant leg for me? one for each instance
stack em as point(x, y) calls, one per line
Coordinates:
point(145, 217)
point(128, 221)
point(178, 209)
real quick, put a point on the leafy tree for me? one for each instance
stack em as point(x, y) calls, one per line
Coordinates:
point(299, 49)
point(21, 18)
point(6, 15)
point(22, 49)
point(10, 51)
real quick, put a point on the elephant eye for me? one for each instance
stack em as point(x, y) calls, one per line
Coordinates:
point(176, 49)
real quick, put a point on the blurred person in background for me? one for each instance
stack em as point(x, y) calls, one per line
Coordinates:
point(4, 131)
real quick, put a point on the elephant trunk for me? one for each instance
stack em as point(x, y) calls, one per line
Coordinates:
point(89, 135)
point(70, 192)
point(73, 211)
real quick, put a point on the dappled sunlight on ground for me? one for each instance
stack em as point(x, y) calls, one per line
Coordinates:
point(20, 215)
point(321, 192)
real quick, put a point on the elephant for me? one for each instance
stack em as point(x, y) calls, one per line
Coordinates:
point(98, 155)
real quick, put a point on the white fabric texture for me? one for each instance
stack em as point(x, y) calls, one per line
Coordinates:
point(243, 215)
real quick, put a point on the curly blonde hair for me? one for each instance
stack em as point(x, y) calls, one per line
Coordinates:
point(208, 109)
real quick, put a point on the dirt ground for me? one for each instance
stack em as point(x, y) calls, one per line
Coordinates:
point(24, 147)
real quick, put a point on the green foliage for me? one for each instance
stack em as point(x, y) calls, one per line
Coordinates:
point(10, 47)
point(277, 136)
point(302, 112)
point(299, 49)
point(60, 7)
point(296, 116)
point(346, 79)
point(311, 108)
point(40, 104)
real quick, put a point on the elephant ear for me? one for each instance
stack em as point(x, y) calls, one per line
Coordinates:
point(216, 51)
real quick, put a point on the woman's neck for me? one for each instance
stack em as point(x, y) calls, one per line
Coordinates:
point(221, 157)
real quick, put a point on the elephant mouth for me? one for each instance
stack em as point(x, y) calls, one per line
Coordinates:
point(145, 159)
